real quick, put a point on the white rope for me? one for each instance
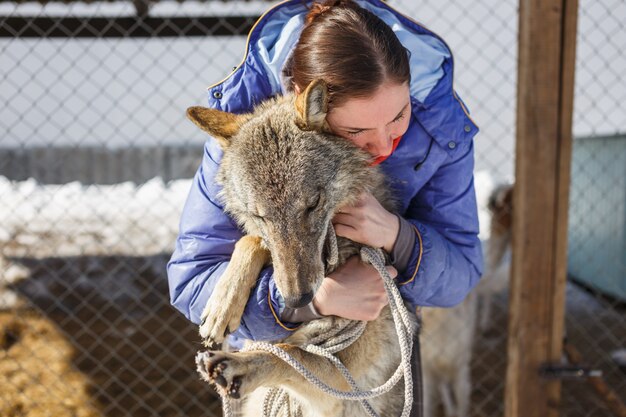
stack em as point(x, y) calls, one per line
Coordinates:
point(277, 401)
point(333, 248)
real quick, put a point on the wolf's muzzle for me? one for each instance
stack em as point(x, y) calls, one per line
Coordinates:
point(301, 301)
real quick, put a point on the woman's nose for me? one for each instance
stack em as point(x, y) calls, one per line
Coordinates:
point(382, 145)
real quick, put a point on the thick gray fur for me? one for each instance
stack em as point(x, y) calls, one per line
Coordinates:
point(283, 177)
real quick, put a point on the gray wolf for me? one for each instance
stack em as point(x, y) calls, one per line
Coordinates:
point(284, 175)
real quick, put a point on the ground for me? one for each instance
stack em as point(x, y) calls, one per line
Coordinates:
point(108, 325)
point(96, 336)
point(595, 325)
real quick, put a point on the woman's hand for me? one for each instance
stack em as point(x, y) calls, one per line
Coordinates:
point(368, 223)
point(354, 291)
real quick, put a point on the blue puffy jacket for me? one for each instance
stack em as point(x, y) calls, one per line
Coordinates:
point(431, 172)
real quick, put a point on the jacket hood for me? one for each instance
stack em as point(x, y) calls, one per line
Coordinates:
point(277, 31)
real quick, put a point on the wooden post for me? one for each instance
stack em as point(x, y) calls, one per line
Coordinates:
point(547, 42)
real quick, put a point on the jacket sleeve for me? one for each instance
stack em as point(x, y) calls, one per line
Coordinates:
point(446, 262)
point(205, 243)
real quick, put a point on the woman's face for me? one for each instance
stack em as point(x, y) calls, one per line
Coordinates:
point(373, 123)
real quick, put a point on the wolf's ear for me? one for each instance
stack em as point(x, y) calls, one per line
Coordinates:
point(312, 106)
point(221, 125)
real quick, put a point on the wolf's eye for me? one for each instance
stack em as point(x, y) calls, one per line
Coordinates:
point(313, 205)
point(259, 218)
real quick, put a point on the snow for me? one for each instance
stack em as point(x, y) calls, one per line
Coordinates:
point(75, 219)
point(126, 219)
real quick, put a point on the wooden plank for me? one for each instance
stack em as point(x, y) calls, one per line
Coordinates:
point(100, 165)
point(70, 164)
point(124, 27)
point(547, 33)
point(568, 69)
point(37, 166)
point(22, 164)
point(7, 160)
point(53, 167)
point(184, 161)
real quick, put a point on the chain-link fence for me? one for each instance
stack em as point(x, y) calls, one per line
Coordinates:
point(596, 295)
point(93, 113)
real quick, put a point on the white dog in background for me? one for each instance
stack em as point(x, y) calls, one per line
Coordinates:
point(448, 333)
point(447, 337)
point(497, 251)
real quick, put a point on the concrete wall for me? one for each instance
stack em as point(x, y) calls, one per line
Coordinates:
point(597, 214)
point(98, 165)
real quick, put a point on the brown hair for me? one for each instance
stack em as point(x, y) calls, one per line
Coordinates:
point(350, 48)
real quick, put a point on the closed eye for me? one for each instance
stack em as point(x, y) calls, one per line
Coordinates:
point(313, 205)
point(399, 117)
point(355, 132)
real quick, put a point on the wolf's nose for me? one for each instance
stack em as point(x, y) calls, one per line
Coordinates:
point(301, 301)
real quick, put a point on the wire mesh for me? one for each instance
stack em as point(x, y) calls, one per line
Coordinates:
point(596, 296)
point(95, 161)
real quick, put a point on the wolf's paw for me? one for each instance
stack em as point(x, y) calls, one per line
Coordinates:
point(229, 371)
point(218, 321)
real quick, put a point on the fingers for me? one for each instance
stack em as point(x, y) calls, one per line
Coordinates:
point(349, 226)
point(346, 231)
point(354, 291)
point(360, 202)
point(368, 223)
point(393, 272)
point(345, 218)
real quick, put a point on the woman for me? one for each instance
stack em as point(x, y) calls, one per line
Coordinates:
point(391, 94)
